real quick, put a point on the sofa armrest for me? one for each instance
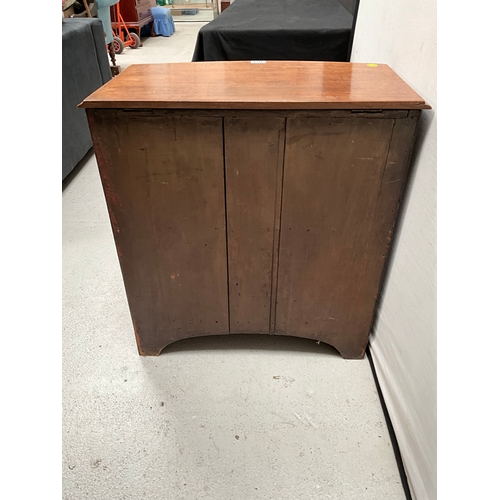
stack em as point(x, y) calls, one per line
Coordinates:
point(85, 68)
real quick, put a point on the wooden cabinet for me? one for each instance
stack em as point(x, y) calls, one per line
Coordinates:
point(253, 197)
point(134, 11)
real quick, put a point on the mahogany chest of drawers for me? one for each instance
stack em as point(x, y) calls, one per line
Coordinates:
point(254, 196)
point(133, 11)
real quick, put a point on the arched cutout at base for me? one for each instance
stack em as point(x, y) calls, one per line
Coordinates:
point(348, 350)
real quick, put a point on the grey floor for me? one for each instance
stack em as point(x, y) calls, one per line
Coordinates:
point(201, 15)
point(240, 417)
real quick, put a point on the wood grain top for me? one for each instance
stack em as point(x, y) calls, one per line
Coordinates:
point(257, 85)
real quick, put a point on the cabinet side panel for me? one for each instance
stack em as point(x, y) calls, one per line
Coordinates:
point(327, 282)
point(254, 164)
point(163, 179)
point(389, 199)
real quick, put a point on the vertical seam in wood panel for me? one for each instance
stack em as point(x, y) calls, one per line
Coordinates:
point(385, 167)
point(225, 220)
point(278, 207)
point(274, 256)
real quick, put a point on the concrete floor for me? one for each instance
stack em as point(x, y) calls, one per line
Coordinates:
point(204, 15)
point(221, 418)
point(176, 48)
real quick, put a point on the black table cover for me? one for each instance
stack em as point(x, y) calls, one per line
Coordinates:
point(287, 30)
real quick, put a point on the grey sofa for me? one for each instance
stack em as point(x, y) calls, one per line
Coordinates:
point(85, 68)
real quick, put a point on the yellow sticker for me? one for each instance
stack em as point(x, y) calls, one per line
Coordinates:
point(372, 65)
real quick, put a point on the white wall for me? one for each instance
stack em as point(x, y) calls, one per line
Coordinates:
point(402, 34)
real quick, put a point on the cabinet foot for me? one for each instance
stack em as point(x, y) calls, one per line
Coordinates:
point(352, 353)
point(150, 351)
point(349, 349)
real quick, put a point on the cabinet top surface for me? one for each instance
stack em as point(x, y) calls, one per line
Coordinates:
point(257, 85)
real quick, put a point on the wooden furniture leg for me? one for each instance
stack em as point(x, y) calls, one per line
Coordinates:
point(115, 70)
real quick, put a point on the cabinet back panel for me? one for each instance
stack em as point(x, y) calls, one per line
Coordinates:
point(254, 165)
point(332, 178)
point(164, 183)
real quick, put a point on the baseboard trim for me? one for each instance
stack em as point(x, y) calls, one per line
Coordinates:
point(392, 434)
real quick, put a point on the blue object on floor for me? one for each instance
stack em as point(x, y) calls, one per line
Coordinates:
point(163, 22)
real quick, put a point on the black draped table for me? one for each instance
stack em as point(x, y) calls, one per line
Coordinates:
point(288, 30)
